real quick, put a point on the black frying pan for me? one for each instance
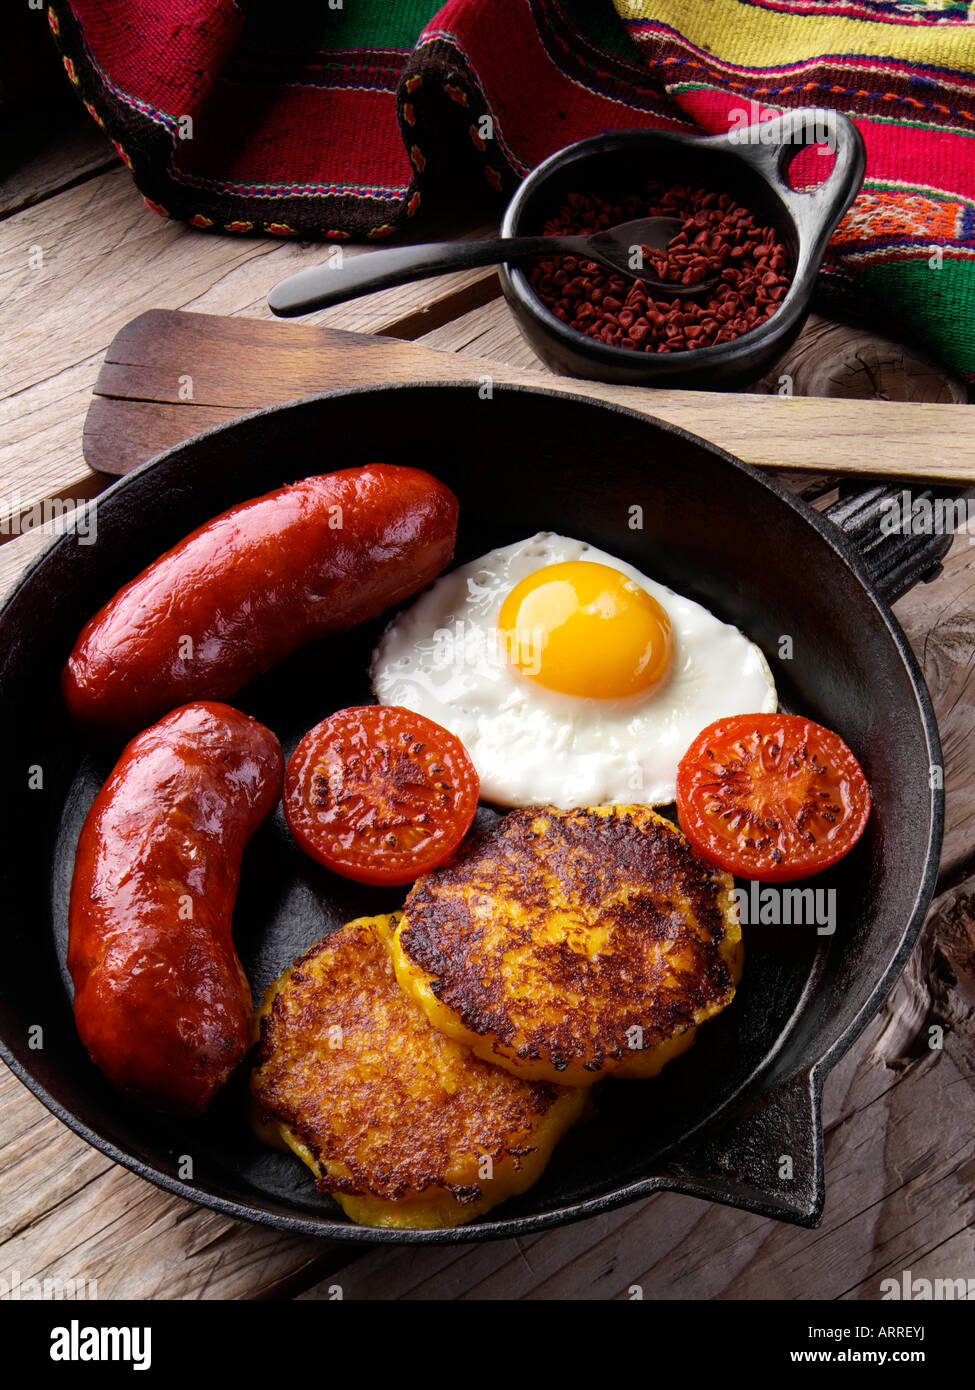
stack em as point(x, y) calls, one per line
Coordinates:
point(716, 1122)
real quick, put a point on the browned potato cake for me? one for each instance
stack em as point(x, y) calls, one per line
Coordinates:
point(403, 1126)
point(572, 945)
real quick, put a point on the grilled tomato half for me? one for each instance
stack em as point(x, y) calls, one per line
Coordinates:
point(380, 794)
point(771, 796)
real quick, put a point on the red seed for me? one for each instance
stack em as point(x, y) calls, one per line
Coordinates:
point(718, 238)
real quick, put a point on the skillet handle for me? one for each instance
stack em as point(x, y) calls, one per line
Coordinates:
point(769, 1160)
point(896, 551)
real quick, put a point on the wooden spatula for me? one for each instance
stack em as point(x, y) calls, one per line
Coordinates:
point(169, 374)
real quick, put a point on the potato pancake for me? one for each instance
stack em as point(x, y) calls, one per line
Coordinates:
point(571, 945)
point(403, 1126)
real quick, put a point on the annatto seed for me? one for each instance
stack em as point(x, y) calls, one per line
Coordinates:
point(719, 240)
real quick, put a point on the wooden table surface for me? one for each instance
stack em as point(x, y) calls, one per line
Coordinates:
point(80, 255)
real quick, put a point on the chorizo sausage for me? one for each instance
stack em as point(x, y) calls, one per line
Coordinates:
point(253, 585)
point(160, 998)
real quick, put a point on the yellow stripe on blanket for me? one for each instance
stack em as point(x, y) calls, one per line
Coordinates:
point(751, 37)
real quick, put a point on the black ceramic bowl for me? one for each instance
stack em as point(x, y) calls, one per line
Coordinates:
point(748, 162)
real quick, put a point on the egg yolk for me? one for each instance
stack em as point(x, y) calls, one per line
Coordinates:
point(586, 629)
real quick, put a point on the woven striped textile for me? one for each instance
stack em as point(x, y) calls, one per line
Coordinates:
point(330, 118)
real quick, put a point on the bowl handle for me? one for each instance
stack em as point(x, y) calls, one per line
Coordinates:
point(768, 1160)
point(768, 145)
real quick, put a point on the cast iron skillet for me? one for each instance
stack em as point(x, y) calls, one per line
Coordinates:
point(717, 1122)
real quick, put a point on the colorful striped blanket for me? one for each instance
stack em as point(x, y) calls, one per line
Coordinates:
point(331, 117)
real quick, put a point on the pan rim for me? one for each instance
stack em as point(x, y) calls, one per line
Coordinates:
point(330, 1228)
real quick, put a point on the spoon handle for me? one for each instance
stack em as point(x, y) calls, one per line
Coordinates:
point(347, 277)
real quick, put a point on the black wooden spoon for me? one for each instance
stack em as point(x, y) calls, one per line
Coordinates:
point(348, 277)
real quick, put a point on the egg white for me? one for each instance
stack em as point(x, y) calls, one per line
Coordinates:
point(442, 658)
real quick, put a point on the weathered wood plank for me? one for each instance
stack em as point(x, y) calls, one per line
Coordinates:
point(69, 1213)
point(89, 238)
point(844, 359)
point(40, 440)
point(490, 333)
point(17, 554)
point(939, 619)
point(59, 146)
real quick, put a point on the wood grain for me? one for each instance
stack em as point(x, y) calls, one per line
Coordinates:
point(17, 554)
point(939, 619)
point(59, 146)
point(239, 364)
point(842, 359)
point(105, 258)
point(68, 1212)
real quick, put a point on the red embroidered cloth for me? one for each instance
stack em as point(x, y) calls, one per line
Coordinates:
point(327, 117)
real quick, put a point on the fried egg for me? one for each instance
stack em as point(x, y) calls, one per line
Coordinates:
point(571, 678)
